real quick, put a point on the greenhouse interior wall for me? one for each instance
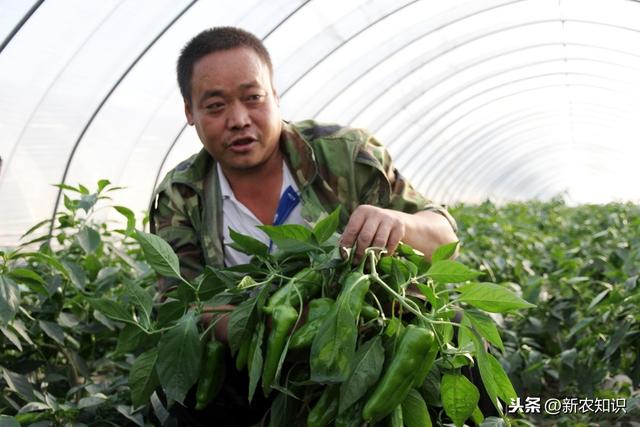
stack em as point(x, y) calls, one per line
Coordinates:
point(520, 117)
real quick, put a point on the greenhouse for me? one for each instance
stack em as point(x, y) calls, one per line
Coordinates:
point(406, 213)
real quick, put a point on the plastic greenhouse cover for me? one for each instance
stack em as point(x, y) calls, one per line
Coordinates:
point(500, 99)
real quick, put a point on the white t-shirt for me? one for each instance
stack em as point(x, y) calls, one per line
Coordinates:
point(238, 217)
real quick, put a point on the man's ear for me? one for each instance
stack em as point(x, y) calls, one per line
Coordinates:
point(276, 97)
point(188, 113)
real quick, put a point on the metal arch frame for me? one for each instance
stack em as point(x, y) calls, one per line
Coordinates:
point(103, 102)
point(479, 177)
point(184, 127)
point(510, 157)
point(513, 184)
point(395, 138)
point(344, 42)
point(422, 93)
point(459, 148)
point(422, 177)
point(502, 130)
point(478, 132)
point(459, 193)
point(439, 54)
point(506, 130)
point(54, 81)
point(404, 46)
point(480, 94)
point(504, 29)
point(20, 24)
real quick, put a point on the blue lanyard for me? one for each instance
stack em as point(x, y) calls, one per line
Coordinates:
point(287, 204)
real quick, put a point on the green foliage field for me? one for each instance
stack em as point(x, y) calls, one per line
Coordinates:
point(77, 311)
point(580, 266)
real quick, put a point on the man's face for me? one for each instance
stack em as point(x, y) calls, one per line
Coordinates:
point(234, 108)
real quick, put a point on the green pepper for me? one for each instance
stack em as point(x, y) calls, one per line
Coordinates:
point(212, 374)
point(334, 347)
point(427, 363)
point(399, 377)
point(369, 312)
point(326, 409)
point(303, 285)
point(303, 337)
point(284, 318)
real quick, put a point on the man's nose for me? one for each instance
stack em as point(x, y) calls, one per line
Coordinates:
point(238, 116)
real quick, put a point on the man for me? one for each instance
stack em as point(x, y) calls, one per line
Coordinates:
point(255, 166)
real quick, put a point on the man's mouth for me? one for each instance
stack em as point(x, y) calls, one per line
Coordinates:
point(241, 144)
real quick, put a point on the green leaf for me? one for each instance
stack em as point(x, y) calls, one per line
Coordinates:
point(19, 384)
point(171, 311)
point(495, 380)
point(616, 340)
point(602, 295)
point(29, 278)
point(444, 252)
point(491, 297)
point(143, 379)
point(448, 271)
point(9, 298)
point(414, 410)
point(35, 227)
point(111, 309)
point(580, 326)
point(140, 299)
point(133, 339)
point(459, 397)
point(87, 201)
point(477, 416)
point(83, 190)
point(53, 330)
point(243, 318)
point(256, 362)
point(67, 187)
point(486, 327)
point(103, 183)
point(19, 326)
point(159, 254)
point(327, 226)
point(291, 237)
point(11, 337)
point(91, 401)
point(248, 244)
point(179, 352)
point(75, 273)
point(366, 370)
point(129, 215)
point(88, 239)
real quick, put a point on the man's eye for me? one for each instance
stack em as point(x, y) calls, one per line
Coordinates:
point(255, 97)
point(214, 106)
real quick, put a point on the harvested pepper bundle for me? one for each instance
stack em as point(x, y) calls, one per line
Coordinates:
point(344, 345)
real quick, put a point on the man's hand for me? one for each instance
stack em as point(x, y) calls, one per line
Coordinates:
point(373, 226)
point(220, 315)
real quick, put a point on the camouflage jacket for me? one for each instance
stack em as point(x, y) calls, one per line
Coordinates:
point(332, 166)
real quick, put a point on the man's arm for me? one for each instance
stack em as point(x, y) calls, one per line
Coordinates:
point(373, 226)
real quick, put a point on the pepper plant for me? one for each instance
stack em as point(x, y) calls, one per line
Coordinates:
point(363, 366)
point(61, 360)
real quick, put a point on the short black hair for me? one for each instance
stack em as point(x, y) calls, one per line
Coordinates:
point(214, 40)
